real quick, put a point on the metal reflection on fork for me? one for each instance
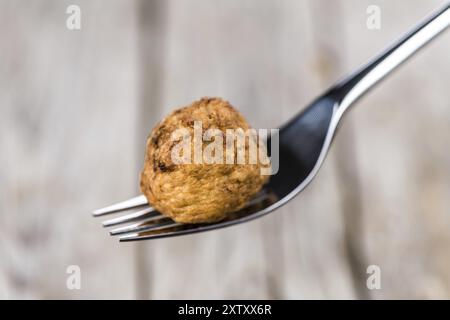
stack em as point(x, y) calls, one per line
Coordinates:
point(304, 143)
point(147, 223)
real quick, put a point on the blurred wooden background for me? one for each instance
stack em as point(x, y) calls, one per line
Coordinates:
point(76, 107)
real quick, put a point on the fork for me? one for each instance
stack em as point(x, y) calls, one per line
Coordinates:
point(303, 144)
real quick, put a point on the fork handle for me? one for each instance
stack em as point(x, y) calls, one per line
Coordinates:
point(356, 85)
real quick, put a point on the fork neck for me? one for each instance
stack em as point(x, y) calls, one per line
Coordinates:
point(349, 90)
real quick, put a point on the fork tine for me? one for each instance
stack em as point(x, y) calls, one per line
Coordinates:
point(125, 205)
point(135, 231)
point(152, 227)
point(148, 235)
point(146, 213)
point(139, 226)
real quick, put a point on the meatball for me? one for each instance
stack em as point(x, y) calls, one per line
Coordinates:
point(198, 192)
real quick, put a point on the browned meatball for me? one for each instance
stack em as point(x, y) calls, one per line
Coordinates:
point(197, 192)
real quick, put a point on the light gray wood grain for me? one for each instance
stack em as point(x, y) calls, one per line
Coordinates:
point(68, 116)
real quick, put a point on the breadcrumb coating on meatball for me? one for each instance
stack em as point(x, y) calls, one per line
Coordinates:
point(197, 193)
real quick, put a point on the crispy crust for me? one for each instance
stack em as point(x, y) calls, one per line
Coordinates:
point(197, 193)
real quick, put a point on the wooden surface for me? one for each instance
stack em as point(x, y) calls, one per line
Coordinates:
point(76, 107)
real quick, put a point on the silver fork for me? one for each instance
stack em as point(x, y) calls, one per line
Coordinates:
point(303, 144)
